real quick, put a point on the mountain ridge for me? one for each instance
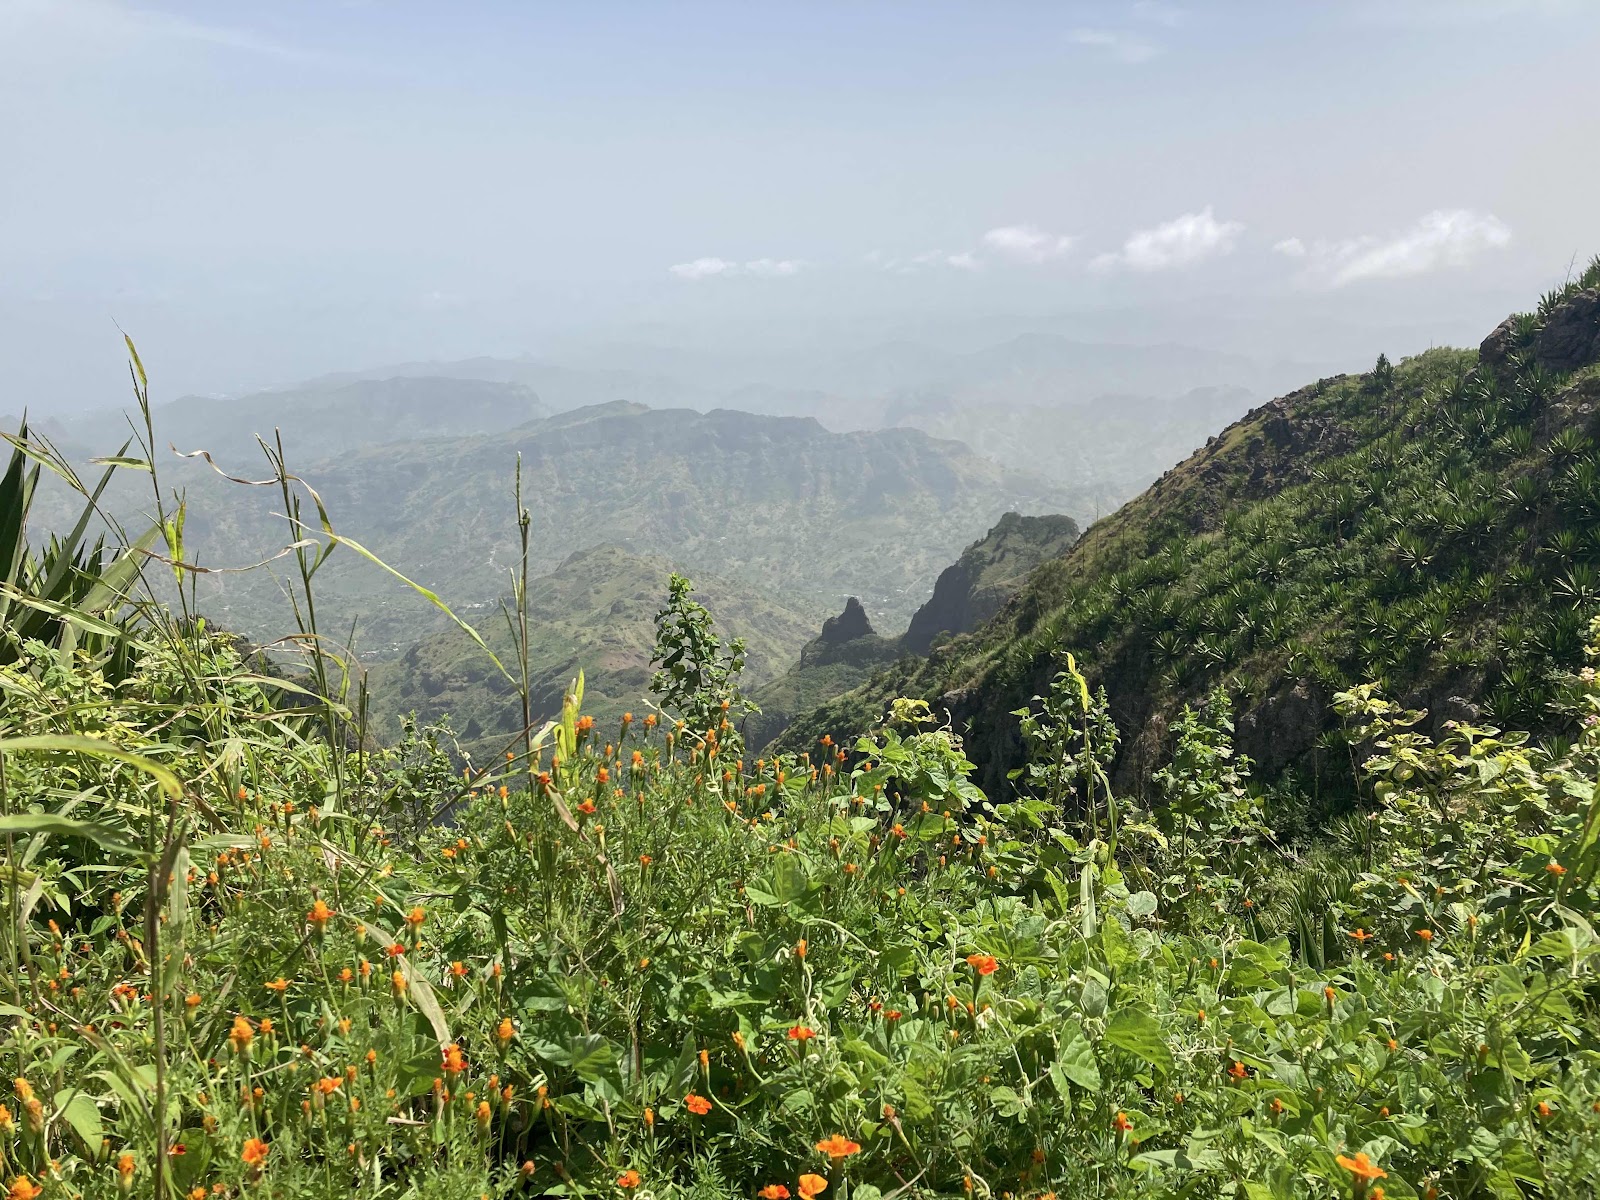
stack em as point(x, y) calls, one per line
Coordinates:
point(1342, 531)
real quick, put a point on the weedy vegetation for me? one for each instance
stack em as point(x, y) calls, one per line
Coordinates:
point(246, 952)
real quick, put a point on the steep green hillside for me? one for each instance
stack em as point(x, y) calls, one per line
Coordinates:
point(596, 613)
point(1431, 524)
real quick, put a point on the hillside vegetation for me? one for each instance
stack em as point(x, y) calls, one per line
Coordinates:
point(1430, 524)
point(595, 613)
point(248, 953)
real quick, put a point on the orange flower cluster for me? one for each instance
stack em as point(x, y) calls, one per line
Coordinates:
point(838, 1146)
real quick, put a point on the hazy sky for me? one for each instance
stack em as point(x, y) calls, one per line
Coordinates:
point(264, 191)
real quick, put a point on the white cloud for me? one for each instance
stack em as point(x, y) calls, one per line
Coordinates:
point(1181, 242)
point(765, 268)
point(965, 261)
point(1290, 248)
point(1439, 240)
point(772, 267)
point(703, 268)
point(1026, 243)
point(1118, 44)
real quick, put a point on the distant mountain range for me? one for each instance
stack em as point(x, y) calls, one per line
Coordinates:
point(858, 473)
point(778, 503)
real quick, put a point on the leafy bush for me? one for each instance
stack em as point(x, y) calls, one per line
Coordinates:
point(633, 966)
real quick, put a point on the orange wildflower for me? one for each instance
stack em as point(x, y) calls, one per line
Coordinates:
point(241, 1035)
point(1425, 934)
point(1121, 1122)
point(774, 1191)
point(812, 1186)
point(801, 1033)
point(255, 1152)
point(630, 1177)
point(1362, 1167)
point(505, 1031)
point(279, 985)
point(838, 1146)
point(23, 1188)
point(1555, 869)
point(454, 1061)
point(983, 964)
point(319, 915)
point(1360, 935)
point(1239, 1070)
point(698, 1105)
point(416, 917)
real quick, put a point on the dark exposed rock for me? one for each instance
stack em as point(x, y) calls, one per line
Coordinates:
point(1570, 337)
point(1567, 340)
point(972, 589)
point(849, 625)
point(1499, 345)
point(1284, 726)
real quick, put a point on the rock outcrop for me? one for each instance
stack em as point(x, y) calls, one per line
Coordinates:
point(852, 623)
point(972, 589)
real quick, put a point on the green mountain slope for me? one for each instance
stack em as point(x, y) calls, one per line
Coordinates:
point(595, 612)
point(842, 657)
point(1435, 525)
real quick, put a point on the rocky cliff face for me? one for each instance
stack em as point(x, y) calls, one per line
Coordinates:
point(972, 589)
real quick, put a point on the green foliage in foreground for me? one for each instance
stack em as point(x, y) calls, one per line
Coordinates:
point(635, 967)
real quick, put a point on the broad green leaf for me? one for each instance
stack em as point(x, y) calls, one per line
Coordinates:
point(1076, 1058)
point(428, 1004)
point(1139, 1034)
point(81, 1112)
point(109, 840)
